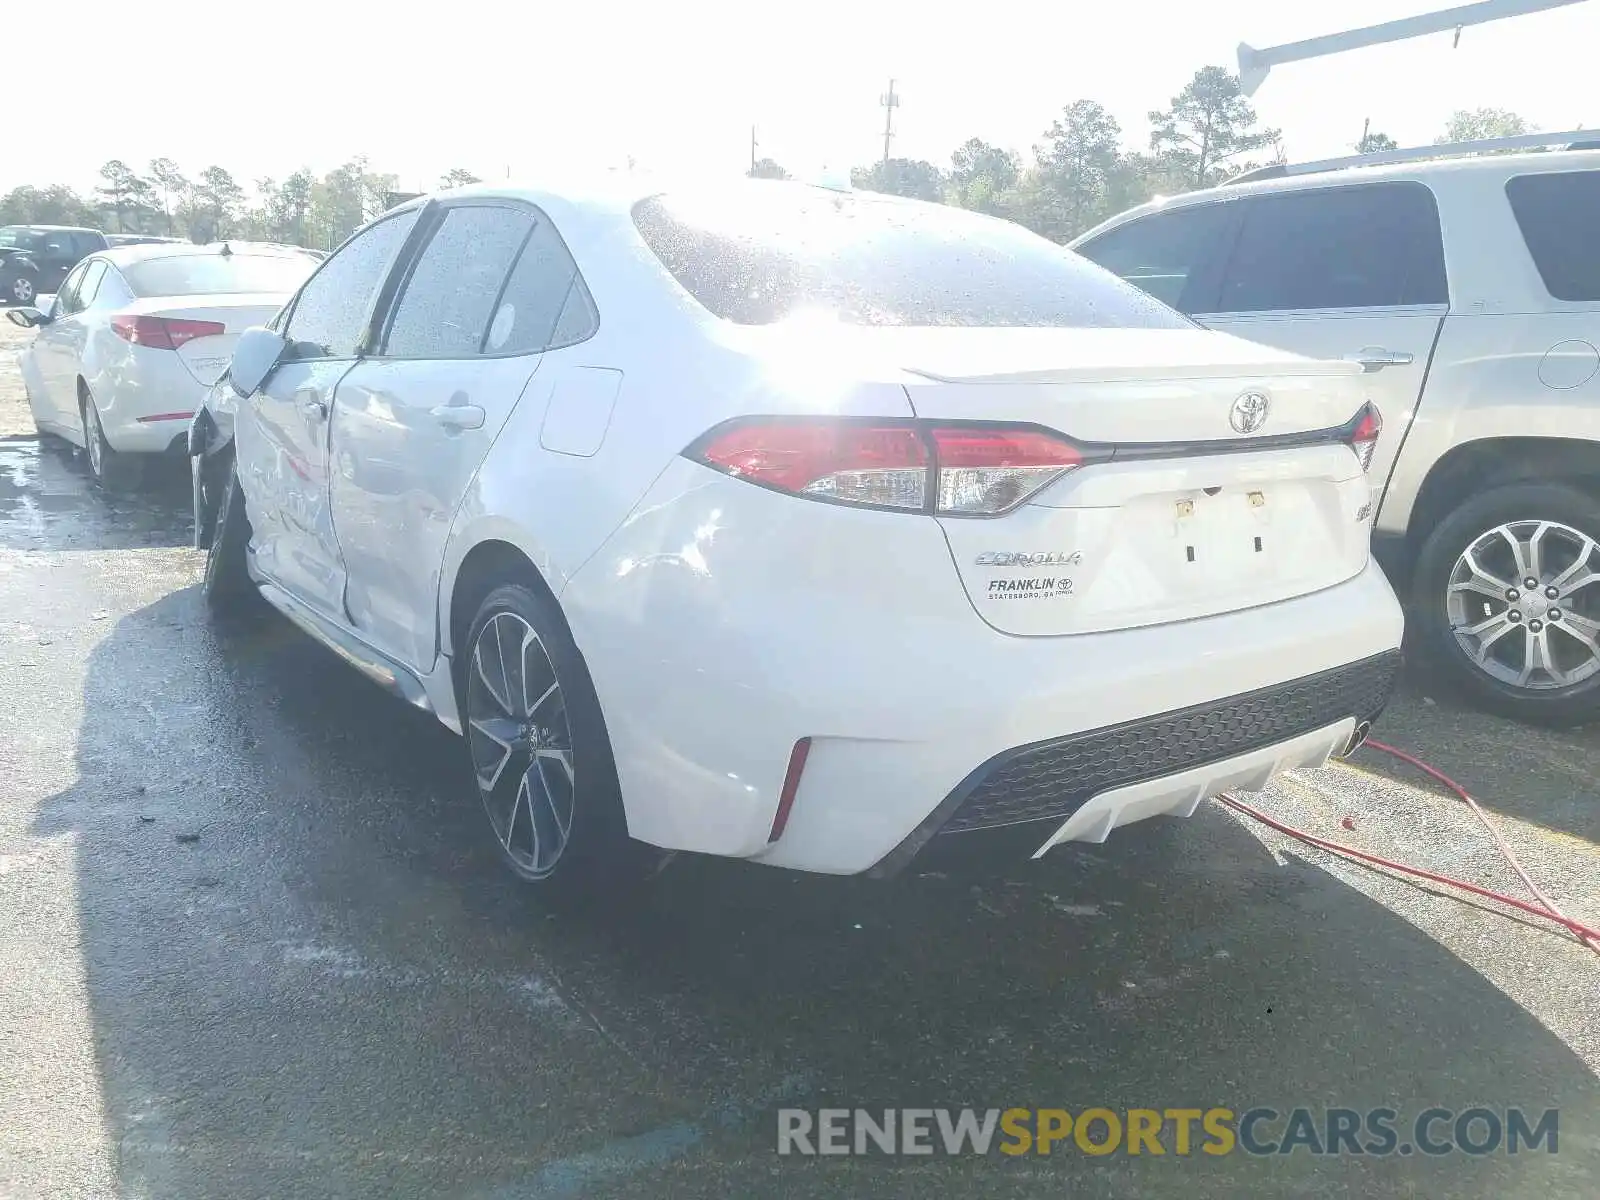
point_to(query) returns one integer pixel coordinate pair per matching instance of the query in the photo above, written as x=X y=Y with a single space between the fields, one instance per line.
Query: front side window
x=1557 y=214
x=1361 y=246
x=1163 y=253
x=765 y=252
x=445 y=308
x=330 y=314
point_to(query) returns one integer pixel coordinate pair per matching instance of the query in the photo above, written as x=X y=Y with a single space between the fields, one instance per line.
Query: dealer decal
x=1045 y=588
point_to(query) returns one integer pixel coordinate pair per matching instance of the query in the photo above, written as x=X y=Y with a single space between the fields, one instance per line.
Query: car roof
x=615 y=194
x=51 y=228
x=1528 y=163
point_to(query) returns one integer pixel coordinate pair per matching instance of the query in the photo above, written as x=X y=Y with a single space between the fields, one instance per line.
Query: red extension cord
x=1545 y=908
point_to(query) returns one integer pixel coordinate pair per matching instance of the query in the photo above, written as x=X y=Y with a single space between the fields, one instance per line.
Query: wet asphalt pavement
x=254 y=942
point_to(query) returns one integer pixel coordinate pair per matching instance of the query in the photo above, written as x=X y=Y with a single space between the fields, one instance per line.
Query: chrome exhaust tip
x=1358 y=738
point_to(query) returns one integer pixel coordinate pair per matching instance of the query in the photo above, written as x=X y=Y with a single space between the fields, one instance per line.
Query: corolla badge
x=1044 y=558
x=1249 y=411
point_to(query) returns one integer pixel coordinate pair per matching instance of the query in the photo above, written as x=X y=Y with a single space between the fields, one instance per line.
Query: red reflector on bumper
x=791 y=785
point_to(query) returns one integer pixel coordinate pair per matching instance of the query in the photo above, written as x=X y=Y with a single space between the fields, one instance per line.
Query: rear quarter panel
x=1499 y=376
x=1511 y=361
x=682 y=372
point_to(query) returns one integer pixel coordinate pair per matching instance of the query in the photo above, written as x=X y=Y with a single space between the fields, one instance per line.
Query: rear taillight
x=163 y=333
x=1364 y=434
x=984 y=471
x=909 y=466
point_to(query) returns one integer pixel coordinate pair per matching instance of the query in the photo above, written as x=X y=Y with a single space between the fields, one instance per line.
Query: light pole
x=1254 y=64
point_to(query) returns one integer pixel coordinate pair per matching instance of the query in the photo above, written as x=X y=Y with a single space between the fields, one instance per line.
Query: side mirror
x=27 y=317
x=254 y=356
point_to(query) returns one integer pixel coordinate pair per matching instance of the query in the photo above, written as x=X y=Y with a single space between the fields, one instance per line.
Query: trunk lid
x=207 y=357
x=1205 y=499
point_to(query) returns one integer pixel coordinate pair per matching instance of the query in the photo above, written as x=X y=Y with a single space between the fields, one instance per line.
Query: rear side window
x=330 y=314
x=114 y=291
x=1363 y=246
x=89 y=286
x=545 y=304
x=1559 y=214
x=218 y=274
x=1163 y=253
x=764 y=252
x=67 y=293
x=23 y=239
x=446 y=306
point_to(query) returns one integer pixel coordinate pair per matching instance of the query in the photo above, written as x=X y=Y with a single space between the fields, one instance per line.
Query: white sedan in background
x=134 y=337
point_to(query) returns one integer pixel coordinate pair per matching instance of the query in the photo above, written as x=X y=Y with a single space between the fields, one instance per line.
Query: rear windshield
x=216 y=274
x=770 y=251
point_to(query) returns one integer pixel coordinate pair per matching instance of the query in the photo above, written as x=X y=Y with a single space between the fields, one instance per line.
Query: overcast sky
x=262 y=89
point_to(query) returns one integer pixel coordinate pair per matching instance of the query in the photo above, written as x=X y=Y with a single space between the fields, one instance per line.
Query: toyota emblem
x=1249 y=411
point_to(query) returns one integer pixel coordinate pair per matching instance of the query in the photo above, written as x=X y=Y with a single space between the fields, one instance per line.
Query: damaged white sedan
x=798 y=524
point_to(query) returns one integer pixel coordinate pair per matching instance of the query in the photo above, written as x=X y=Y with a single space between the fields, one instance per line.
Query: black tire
x=112 y=469
x=22 y=288
x=597 y=863
x=1520 y=506
x=226 y=585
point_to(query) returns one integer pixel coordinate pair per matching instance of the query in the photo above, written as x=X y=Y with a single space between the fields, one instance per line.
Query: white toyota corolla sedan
x=129 y=344
x=801 y=525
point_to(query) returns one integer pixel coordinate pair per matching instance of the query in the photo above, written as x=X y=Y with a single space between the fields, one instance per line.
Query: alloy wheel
x=22 y=290
x=1524 y=604
x=521 y=744
x=93 y=439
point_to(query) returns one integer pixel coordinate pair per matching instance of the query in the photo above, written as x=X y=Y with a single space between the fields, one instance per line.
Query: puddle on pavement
x=49 y=502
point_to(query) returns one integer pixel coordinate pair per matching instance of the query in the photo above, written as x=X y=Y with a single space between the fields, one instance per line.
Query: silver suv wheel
x=1520 y=601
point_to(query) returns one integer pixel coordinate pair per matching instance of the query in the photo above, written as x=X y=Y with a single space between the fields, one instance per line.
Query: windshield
x=14 y=236
x=761 y=253
x=217 y=274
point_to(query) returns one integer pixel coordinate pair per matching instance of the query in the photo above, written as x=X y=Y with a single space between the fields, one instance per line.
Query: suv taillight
x=1364 y=435
x=163 y=333
x=952 y=469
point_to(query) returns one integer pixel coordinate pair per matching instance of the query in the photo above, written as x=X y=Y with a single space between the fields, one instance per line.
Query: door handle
x=1375 y=358
x=458 y=416
x=314 y=406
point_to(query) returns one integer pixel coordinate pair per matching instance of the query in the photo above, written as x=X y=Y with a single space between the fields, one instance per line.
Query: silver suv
x=1469 y=288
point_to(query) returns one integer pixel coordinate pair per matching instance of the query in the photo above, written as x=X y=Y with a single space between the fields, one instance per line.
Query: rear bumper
x=147 y=402
x=169 y=435
x=1082 y=786
x=723 y=623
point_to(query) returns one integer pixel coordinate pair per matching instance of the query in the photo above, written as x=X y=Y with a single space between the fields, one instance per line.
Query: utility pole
x=752 y=148
x=890 y=102
x=1366 y=128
